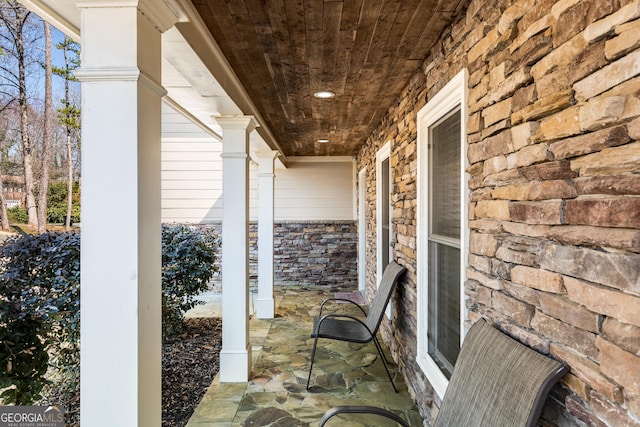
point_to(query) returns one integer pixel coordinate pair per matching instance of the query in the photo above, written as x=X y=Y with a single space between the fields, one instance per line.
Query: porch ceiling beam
x=196 y=33
x=61 y=16
x=177 y=106
x=65 y=15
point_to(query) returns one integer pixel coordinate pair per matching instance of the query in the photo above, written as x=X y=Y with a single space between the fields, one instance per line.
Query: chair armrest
x=361 y=410
x=344 y=300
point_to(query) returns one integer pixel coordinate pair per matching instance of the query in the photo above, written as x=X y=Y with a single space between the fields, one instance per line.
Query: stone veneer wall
x=306 y=253
x=554 y=212
x=316 y=253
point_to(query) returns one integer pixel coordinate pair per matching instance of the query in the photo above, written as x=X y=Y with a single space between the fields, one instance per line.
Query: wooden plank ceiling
x=284 y=51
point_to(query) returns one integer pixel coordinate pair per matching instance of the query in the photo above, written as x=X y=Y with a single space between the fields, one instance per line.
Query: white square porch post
x=235 y=357
x=121 y=246
x=265 y=306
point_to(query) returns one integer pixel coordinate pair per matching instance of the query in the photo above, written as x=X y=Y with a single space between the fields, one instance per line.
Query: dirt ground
x=190 y=362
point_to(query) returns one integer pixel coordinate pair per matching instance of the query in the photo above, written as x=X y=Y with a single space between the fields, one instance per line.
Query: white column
x=121 y=244
x=235 y=357
x=265 y=306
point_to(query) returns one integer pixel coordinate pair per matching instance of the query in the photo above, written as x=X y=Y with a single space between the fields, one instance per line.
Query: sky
x=58 y=60
x=35 y=83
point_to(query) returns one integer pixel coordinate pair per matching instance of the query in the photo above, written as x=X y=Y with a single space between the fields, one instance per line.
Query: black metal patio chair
x=349 y=328
x=497 y=381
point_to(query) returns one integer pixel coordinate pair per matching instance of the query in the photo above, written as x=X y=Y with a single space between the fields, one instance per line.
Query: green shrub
x=39 y=313
x=18 y=215
x=40 y=304
x=57 y=203
x=24 y=360
x=57 y=214
x=188 y=257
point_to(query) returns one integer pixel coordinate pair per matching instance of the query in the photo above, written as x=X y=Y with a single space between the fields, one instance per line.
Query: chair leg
x=384 y=363
x=313 y=355
x=378 y=344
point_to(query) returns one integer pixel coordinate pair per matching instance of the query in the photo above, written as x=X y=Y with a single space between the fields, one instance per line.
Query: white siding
x=314 y=191
x=191 y=171
x=192 y=180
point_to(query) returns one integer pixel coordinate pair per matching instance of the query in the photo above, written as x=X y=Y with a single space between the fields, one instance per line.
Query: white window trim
x=452 y=95
x=383 y=154
x=362 y=229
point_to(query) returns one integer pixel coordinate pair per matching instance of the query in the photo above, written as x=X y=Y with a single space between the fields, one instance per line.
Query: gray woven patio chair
x=349 y=328
x=497 y=381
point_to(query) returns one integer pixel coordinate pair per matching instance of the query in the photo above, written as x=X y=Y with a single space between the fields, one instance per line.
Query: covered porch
x=138 y=57
x=493 y=149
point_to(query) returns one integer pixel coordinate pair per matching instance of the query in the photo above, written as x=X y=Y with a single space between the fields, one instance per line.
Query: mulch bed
x=190 y=361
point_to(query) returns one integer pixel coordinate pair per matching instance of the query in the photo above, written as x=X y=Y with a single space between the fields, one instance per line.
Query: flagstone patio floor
x=276 y=395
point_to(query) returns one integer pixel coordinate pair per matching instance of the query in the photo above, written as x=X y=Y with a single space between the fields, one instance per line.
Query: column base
x=265 y=308
x=235 y=366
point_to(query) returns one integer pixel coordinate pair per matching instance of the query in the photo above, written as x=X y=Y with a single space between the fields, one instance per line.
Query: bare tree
x=69 y=114
x=4 y=150
x=3 y=208
x=47 y=135
x=4 y=217
x=16 y=20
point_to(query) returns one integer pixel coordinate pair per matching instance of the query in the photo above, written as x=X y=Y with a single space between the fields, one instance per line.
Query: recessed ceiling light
x=324 y=94
x=323 y=141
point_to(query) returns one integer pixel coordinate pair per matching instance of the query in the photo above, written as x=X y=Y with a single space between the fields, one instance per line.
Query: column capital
x=237 y=122
x=266 y=162
x=162 y=14
x=119 y=74
x=234 y=155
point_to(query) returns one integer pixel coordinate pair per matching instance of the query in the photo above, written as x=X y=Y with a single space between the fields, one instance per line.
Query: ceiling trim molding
x=319 y=159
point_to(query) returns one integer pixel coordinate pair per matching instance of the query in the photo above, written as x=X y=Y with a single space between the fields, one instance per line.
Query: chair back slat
x=390 y=277
x=497 y=381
